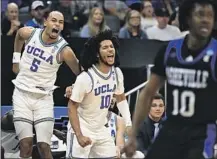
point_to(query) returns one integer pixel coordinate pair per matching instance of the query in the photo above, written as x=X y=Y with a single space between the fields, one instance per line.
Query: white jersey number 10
x=187 y=103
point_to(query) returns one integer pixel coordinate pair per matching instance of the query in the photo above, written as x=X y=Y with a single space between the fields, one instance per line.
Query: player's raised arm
x=22 y=35
x=69 y=57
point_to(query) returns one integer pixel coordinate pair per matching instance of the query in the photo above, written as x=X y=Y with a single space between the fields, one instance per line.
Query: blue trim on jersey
x=170 y=46
x=213 y=62
x=91 y=77
x=100 y=75
x=196 y=59
x=47 y=45
x=210 y=140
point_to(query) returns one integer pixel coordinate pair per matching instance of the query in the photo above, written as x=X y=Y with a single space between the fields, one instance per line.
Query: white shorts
x=102 y=146
x=33 y=109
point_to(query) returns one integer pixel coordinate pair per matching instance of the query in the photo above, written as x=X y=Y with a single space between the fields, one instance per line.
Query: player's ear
x=45 y=23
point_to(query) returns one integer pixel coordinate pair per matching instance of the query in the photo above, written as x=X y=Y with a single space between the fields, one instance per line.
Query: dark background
x=135 y=55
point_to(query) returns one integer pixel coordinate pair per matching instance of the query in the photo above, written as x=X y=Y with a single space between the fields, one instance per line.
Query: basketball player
x=91 y=98
x=44 y=52
x=190 y=69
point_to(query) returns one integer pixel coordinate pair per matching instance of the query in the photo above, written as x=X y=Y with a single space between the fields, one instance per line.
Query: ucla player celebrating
x=44 y=52
x=190 y=68
x=91 y=97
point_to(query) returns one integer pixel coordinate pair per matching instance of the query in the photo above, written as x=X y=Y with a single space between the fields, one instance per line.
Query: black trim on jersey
x=59 y=51
x=48 y=45
x=31 y=35
x=100 y=75
x=43 y=120
x=23 y=120
x=91 y=77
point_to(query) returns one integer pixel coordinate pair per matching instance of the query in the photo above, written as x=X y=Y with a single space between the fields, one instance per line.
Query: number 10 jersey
x=191 y=83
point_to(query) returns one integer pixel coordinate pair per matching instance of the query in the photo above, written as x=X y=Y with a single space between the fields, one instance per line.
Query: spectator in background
x=37 y=12
x=96 y=23
x=117 y=8
x=174 y=20
x=151 y=125
x=147 y=16
x=11 y=23
x=163 y=31
x=133 y=27
x=169 y=5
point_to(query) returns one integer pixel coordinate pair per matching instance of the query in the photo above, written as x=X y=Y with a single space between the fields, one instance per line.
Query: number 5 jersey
x=39 y=64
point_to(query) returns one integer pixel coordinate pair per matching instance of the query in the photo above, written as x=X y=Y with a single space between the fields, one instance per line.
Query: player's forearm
x=73 y=117
x=120 y=140
x=141 y=110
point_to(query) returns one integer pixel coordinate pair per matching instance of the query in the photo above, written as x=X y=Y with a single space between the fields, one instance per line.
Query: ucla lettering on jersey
x=39 y=64
x=191 y=83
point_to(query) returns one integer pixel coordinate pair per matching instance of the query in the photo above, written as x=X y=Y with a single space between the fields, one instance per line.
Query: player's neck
x=47 y=40
x=103 y=68
x=154 y=119
x=194 y=43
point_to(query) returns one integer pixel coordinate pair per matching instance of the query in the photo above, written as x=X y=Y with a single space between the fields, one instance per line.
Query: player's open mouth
x=110 y=58
x=54 y=30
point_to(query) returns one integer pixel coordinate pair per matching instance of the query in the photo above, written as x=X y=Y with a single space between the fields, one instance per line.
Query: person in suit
x=151 y=125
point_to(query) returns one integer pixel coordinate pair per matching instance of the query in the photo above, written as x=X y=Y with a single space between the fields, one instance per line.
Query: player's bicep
x=82 y=86
x=69 y=57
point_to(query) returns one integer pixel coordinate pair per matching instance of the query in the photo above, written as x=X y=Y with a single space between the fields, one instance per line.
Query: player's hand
x=68 y=91
x=83 y=140
x=118 y=152
x=130 y=148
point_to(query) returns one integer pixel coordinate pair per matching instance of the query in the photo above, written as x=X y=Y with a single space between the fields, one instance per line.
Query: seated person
x=151 y=125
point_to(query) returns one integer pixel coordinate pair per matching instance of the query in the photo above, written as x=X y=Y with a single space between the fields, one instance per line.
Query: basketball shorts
x=33 y=109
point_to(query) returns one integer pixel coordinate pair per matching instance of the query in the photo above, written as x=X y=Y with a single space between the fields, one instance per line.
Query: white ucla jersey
x=112 y=122
x=10 y=141
x=39 y=64
x=94 y=91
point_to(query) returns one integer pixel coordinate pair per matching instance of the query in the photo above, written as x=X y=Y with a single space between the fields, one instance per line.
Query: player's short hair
x=186 y=8
x=158 y=96
x=92 y=46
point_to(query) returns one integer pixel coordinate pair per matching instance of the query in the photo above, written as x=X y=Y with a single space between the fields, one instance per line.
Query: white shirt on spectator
x=147 y=23
x=168 y=33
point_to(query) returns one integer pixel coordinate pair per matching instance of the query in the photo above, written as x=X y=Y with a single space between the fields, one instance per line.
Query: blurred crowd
x=137 y=19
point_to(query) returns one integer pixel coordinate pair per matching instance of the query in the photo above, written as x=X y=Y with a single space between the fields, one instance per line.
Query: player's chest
x=104 y=88
x=45 y=54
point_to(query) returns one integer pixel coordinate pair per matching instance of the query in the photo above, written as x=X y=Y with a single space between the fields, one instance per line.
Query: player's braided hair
x=91 y=49
x=186 y=8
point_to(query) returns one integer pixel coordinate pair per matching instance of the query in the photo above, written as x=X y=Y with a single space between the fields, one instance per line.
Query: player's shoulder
x=118 y=70
x=85 y=77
